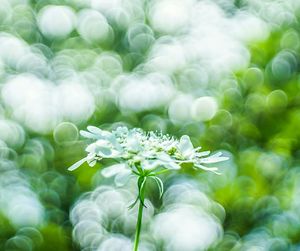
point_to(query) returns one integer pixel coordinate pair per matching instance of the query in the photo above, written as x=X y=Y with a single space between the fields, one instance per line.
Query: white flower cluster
x=143 y=153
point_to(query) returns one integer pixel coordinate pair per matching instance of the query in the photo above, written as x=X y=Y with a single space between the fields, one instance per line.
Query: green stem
x=139 y=220
x=161 y=172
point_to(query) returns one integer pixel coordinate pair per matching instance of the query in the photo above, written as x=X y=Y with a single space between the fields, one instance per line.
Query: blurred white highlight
x=102 y=213
x=169 y=16
x=56 y=21
x=18 y=202
x=186 y=228
x=204 y=108
x=12 y=134
x=40 y=105
x=186 y=222
x=140 y=93
x=92 y=26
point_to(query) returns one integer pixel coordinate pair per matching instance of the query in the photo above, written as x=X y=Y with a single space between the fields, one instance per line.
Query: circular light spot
x=290 y=40
x=277 y=100
x=65 y=132
x=204 y=108
x=12 y=133
x=110 y=64
x=56 y=21
x=179 y=109
x=18 y=243
x=169 y=16
x=223 y=118
x=77 y=102
x=92 y=26
x=253 y=77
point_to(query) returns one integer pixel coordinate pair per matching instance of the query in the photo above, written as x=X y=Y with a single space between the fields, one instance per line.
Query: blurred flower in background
x=226 y=73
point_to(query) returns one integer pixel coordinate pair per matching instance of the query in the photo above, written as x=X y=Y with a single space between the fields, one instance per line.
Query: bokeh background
x=224 y=72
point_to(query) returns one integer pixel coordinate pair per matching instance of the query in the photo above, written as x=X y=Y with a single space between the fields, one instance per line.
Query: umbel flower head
x=143 y=153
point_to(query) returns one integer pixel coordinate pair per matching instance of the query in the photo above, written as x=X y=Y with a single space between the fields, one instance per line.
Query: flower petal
x=211 y=169
x=173 y=165
x=122 y=177
x=89 y=135
x=113 y=170
x=77 y=164
x=94 y=130
x=104 y=151
x=185 y=145
x=91 y=148
x=133 y=144
x=202 y=154
x=164 y=157
x=213 y=158
x=92 y=162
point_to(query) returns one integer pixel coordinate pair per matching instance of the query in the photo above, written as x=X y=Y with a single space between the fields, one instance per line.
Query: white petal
x=92 y=162
x=90 y=157
x=91 y=148
x=77 y=164
x=172 y=165
x=164 y=157
x=94 y=130
x=185 y=145
x=133 y=144
x=202 y=154
x=197 y=148
x=88 y=135
x=218 y=154
x=122 y=177
x=150 y=164
x=113 y=170
x=104 y=151
x=214 y=159
x=211 y=169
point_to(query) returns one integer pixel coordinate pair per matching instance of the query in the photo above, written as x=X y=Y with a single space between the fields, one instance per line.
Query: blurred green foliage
x=256 y=124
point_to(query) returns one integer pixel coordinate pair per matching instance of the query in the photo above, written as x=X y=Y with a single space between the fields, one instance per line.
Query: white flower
x=142 y=153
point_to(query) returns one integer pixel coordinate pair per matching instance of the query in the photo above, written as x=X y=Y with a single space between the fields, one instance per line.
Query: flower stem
x=139 y=220
x=161 y=172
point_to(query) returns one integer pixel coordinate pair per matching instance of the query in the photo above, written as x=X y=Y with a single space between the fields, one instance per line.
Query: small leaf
x=134 y=203
x=140 y=197
x=160 y=185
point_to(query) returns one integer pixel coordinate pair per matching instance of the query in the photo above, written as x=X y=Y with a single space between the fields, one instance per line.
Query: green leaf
x=134 y=203
x=141 y=183
x=160 y=185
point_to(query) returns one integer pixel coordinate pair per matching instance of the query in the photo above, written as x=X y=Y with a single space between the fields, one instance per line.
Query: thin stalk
x=161 y=172
x=139 y=220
